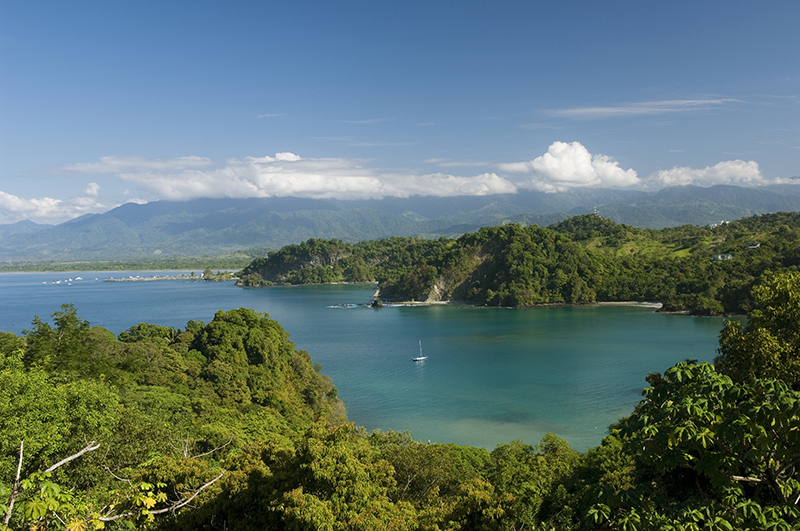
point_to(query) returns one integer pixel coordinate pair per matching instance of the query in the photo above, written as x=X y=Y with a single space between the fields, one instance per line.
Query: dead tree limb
x=177 y=504
x=15 y=488
x=214 y=450
x=89 y=448
x=181 y=503
x=746 y=479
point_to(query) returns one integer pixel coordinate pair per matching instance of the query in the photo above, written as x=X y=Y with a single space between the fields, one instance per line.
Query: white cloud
x=49 y=210
x=92 y=189
x=726 y=172
x=111 y=165
x=570 y=165
x=445 y=163
x=565 y=165
x=11 y=204
x=285 y=157
x=443 y=185
x=642 y=108
x=286 y=174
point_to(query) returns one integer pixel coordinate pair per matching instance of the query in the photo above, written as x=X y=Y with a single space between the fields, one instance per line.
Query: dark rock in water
x=376 y=304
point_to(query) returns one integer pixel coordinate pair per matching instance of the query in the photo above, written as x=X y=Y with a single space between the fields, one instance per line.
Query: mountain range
x=204 y=227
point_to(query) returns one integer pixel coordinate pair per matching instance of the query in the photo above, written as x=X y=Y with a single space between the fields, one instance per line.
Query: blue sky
x=107 y=102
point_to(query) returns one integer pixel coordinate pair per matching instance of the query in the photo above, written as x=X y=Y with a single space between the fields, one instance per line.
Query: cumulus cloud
x=92 y=189
x=14 y=208
x=565 y=165
x=48 y=209
x=726 y=172
x=570 y=165
x=285 y=174
x=443 y=185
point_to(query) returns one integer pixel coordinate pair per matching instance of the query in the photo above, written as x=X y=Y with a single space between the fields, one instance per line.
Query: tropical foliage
x=584 y=259
x=155 y=406
x=226 y=425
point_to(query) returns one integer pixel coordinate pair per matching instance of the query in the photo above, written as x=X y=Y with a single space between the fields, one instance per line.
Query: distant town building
x=753 y=245
x=720 y=257
x=714 y=225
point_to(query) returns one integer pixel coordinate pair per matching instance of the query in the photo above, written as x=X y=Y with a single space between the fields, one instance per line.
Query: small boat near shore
x=420 y=357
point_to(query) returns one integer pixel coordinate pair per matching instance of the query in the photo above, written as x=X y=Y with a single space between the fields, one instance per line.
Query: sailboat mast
x=420 y=357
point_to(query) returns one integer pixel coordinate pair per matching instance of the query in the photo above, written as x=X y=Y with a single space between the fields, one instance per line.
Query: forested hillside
x=157 y=411
x=584 y=259
x=210 y=227
x=226 y=426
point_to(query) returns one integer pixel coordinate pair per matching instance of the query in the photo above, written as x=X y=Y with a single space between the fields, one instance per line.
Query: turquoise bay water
x=493 y=375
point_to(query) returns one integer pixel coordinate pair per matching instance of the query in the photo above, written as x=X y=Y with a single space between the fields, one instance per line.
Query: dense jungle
x=584 y=259
x=225 y=425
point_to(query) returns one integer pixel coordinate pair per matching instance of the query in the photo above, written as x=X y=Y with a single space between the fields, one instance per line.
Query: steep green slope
x=164 y=405
x=580 y=260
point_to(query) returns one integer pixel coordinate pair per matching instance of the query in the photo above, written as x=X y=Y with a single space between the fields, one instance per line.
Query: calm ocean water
x=493 y=375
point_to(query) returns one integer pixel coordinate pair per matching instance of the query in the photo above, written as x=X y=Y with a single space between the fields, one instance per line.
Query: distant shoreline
x=150 y=279
x=656 y=305
x=636 y=304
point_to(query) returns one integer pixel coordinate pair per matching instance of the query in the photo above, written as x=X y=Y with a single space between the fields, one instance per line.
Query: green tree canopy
x=769 y=345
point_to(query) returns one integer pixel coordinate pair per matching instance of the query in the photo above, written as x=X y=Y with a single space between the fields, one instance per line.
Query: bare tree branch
x=177 y=504
x=746 y=479
x=180 y=503
x=89 y=448
x=184 y=449
x=58 y=518
x=15 y=488
x=128 y=481
x=116 y=516
x=214 y=450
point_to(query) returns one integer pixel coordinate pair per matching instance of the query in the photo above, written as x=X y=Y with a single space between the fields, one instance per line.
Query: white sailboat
x=420 y=357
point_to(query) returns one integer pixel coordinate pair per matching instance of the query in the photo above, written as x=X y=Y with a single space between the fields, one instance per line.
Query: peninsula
x=582 y=260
